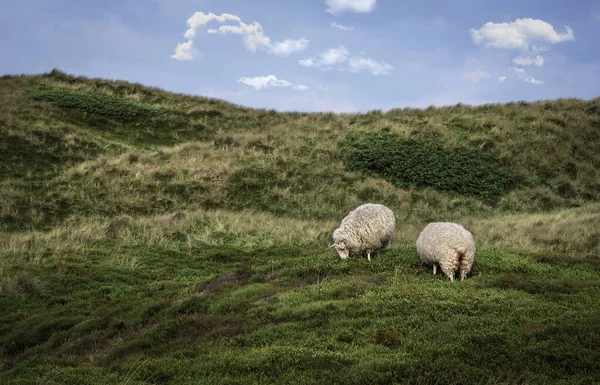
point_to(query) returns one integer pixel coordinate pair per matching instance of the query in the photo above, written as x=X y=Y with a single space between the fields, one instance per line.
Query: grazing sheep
x=369 y=227
x=448 y=244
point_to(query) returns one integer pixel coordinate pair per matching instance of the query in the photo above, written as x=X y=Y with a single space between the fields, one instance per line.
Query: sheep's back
x=438 y=238
x=367 y=226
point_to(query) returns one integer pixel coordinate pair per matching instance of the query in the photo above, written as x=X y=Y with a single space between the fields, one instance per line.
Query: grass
x=157 y=238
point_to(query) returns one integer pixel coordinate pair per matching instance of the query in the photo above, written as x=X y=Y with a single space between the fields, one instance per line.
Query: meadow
x=148 y=237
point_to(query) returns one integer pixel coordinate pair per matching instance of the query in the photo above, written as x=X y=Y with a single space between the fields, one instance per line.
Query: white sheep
x=369 y=227
x=448 y=244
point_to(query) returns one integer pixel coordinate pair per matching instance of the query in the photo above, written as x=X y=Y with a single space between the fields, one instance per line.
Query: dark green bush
x=411 y=162
x=97 y=104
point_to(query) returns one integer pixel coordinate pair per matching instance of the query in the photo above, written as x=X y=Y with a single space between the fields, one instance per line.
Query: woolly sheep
x=448 y=244
x=369 y=227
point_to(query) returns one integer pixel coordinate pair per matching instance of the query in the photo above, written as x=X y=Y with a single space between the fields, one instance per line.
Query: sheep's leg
x=450 y=274
x=369 y=255
x=434 y=268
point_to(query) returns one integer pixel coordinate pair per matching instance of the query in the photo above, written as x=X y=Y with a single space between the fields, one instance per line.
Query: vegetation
x=95 y=104
x=421 y=163
x=156 y=238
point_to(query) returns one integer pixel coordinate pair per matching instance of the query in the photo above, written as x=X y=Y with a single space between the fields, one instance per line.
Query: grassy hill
x=148 y=237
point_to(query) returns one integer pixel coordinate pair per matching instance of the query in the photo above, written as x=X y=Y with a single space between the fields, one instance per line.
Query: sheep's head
x=341 y=249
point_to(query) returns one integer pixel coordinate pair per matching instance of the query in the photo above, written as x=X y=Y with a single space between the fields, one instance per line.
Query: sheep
x=369 y=227
x=448 y=244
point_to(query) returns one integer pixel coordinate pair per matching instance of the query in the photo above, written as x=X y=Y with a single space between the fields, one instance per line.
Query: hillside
x=148 y=237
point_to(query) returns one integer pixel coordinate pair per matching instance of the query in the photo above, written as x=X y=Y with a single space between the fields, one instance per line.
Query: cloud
x=518 y=71
x=532 y=80
x=360 y=64
x=309 y=62
x=185 y=51
x=288 y=47
x=340 y=26
x=527 y=61
x=354 y=64
x=358 y=6
x=252 y=34
x=521 y=33
x=476 y=76
x=327 y=59
x=260 y=82
x=531 y=36
x=501 y=78
x=334 y=56
x=200 y=18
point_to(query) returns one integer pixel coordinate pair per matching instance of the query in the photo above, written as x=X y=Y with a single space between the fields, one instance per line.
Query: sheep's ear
x=333 y=245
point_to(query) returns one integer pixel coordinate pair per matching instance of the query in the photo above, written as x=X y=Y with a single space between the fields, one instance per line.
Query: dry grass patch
x=570 y=231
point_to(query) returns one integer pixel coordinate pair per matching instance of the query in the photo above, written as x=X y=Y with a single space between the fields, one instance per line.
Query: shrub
x=97 y=104
x=411 y=162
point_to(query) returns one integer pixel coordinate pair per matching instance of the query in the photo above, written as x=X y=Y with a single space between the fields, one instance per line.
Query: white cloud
x=327 y=59
x=476 y=76
x=200 y=18
x=501 y=78
x=527 y=61
x=532 y=80
x=260 y=82
x=521 y=33
x=185 y=51
x=520 y=72
x=359 y=64
x=309 y=62
x=539 y=48
x=334 y=56
x=287 y=47
x=252 y=34
x=358 y=6
x=340 y=56
x=341 y=26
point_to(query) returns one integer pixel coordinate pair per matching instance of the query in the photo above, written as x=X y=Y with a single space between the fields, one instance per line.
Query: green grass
x=156 y=238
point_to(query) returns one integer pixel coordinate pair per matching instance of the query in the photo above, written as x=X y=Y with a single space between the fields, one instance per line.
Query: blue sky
x=316 y=55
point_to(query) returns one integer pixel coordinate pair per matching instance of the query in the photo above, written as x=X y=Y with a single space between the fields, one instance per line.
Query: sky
x=316 y=55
